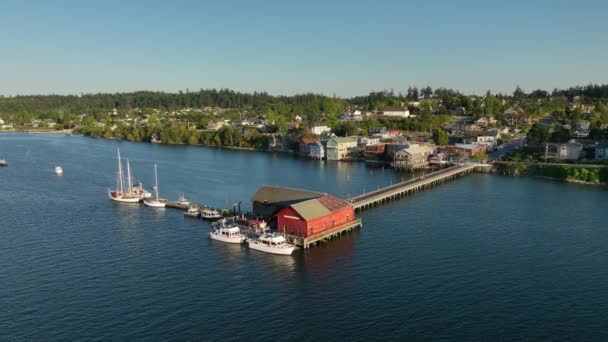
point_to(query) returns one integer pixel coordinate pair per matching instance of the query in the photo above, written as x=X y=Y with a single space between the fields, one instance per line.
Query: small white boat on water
x=210 y=214
x=58 y=170
x=271 y=243
x=155 y=202
x=3 y=163
x=183 y=200
x=229 y=233
x=192 y=212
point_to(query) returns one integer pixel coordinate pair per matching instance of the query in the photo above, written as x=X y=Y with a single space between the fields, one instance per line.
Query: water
x=480 y=258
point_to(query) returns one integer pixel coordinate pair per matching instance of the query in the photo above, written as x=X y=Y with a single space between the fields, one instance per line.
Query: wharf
x=401 y=189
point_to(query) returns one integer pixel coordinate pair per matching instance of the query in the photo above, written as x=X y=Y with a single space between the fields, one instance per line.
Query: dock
x=306 y=242
x=405 y=188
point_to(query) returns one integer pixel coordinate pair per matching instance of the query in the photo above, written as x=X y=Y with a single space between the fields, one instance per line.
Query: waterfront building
x=569 y=151
x=375 y=152
x=269 y=200
x=413 y=157
x=364 y=141
x=314 y=216
x=393 y=147
x=340 y=148
x=316 y=150
x=601 y=150
x=468 y=150
x=305 y=145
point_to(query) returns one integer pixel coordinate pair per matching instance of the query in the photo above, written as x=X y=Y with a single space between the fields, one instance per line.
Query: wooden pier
x=329 y=234
x=398 y=190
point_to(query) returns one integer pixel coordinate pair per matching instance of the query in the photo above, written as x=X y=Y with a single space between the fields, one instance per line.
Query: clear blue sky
x=284 y=47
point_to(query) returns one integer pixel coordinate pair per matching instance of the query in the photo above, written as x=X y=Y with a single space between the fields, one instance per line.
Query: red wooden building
x=314 y=216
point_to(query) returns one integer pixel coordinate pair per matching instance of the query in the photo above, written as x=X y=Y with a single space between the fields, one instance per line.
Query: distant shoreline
x=36 y=130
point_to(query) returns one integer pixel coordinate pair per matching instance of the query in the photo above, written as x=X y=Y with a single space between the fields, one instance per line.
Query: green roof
x=310 y=209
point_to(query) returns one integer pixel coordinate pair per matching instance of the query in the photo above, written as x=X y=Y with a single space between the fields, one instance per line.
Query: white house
x=489 y=138
x=318 y=130
x=364 y=141
x=396 y=111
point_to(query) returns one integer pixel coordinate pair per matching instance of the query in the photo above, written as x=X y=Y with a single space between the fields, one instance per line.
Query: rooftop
x=284 y=196
x=318 y=207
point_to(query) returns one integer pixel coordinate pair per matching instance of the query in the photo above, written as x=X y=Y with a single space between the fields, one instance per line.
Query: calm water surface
x=480 y=258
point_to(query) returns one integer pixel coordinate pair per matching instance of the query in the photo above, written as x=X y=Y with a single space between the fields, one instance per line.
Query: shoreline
x=39 y=131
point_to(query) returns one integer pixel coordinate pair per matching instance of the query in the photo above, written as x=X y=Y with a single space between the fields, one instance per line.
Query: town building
x=316 y=150
x=485 y=121
x=377 y=130
x=314 y=216
x=364 y=141
x=393 y=147
x=415 y=156
x=375 y=152
x=601 y=150
x=468 y=150
x=516 y=116
x=569 y=151
x=340 y=148
x=269 y=200
x=402 y=112
x=305 y=145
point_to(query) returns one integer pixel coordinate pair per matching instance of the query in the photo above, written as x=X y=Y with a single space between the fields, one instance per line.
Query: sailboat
x=119 y=194
x=155 y=202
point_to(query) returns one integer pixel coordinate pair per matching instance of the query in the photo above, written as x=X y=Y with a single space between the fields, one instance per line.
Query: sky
x=343 y=48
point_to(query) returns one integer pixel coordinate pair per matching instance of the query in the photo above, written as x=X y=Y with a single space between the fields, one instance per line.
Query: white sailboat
x=119 y=194
x=155 y=202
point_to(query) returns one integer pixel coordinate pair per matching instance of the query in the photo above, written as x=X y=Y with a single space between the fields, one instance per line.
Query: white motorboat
x=183 y=200
x=3 y=163
x=58 y=170
x=271 y=243
x=139 y=190
x=155 y=202
x=123 y=193
x=192 y=212
x=210 y=214
x=227 y=233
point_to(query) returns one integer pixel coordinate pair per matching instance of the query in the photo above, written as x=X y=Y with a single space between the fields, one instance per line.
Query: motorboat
x=155 y=202
x=192 y=212
x=183 y=200
x=271 y=243
x=3 y=163
x=58 y=170
x=229 y=233
x=210 y=214
x=123 y=192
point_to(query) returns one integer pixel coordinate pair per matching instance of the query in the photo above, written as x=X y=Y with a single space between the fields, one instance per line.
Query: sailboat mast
x=156 y=182
x=120 y=175
x=129 y=182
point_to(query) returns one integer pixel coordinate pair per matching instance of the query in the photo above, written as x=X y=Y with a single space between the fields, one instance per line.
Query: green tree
x=440 y=137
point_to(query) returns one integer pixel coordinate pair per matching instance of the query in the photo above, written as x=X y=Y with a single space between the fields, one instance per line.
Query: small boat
x=119 y=194
x=229 y=233
x=3 y=163
x=210 y=214
x=271 y=243
x=192 y=212
x=155 y=202
x=183 y=200
x=58 y=170
x=139 y=190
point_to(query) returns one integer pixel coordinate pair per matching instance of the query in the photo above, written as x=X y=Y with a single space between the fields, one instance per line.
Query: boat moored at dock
x=192 y=212
x=123 y=193
x=155 y=202
x=271 y=243
x=210 y=214
x=227 y=232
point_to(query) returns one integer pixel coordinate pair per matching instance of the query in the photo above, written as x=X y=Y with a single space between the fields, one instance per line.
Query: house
x=569 y=151
x=415 y=156
x=489 y=138
x=601 y=151
x=314 y=216
x=292 y=125
x=582 y=129
x=515 y=116
x=402 y=112
x=339 y=148
x=461 y=110
x=316 y=150
x=394 y=133
x=305 y=145
x=485 y=121
x=377 y=130
x=269 y=200
x=319 y=130
x=375 y=152
x=216 y=125
x=438 y=159
x=364 y=141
